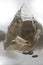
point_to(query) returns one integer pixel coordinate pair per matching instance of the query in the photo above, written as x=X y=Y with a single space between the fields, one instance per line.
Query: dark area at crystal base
x=30 y=52
x=35 y=56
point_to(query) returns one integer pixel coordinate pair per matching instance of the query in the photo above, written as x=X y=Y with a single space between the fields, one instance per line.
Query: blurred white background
x=8 y=9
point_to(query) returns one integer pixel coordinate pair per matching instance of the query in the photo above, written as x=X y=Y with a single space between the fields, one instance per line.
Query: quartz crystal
x=23 y=35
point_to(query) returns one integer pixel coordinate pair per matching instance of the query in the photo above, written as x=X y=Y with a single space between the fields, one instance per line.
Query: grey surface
x=17 y=58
